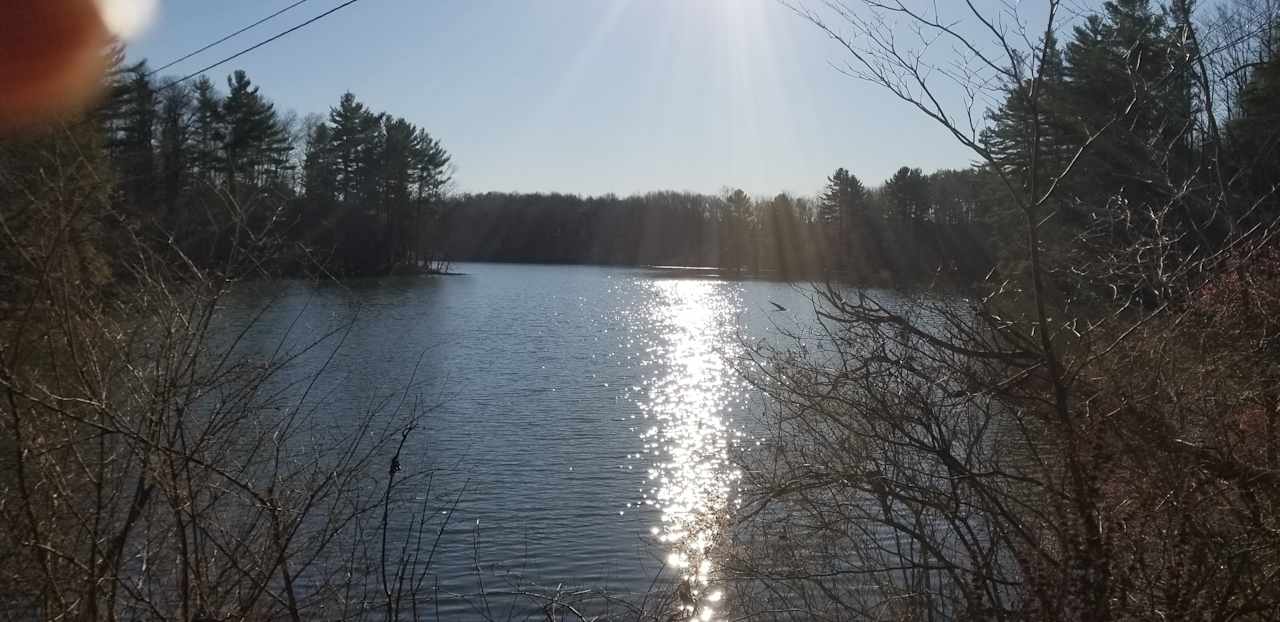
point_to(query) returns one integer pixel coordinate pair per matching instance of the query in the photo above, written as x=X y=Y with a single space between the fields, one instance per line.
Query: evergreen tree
x=842 y=203
x=257 y=146
x=430 y=166
x=780 y=231
x=1115 y=59
x=398 y=152
x=1255 y=141
x=384 y=174
x=1181 y=99
x=843 y=197
x=132 y=144
x=430 y=177
x=396 y=178
x=175 y=149
x=954 y=195
x=735 y=231
x=208 y=131
x=1033 y=118
x=319 y=173
x=908 y=192
x=110 y=114
x=354 y=147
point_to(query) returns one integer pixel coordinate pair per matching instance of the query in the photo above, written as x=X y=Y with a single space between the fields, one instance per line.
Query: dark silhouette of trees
x=842 y=199
x=320 y=172
x=1033 y=118
x=152 y=461
x=736 y=226
x=364 y=192
x=777 y=237
x=379 y=179
x=955 y=196
x=255 y=152
x=207 y=129
x=842 y=208
x=174 y=151
x=908 y=195
x=352 y=144
x=1254 y=135
x=131 y=116
x=783 y=237
x=1093 y=431
x=660 y=228
x=361 y=190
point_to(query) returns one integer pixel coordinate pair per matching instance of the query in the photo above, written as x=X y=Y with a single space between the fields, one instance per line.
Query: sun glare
x=127 y=19
x=692 y=407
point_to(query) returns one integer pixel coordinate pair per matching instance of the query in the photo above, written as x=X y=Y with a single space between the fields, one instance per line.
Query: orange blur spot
x=51 y=58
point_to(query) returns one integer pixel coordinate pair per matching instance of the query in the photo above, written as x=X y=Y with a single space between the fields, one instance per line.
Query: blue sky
x=582 y=96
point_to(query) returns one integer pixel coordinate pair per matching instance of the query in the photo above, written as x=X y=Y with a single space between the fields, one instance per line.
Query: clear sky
x=582 y=96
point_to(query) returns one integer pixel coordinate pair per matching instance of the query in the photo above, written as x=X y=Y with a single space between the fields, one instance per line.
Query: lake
x=588 y=411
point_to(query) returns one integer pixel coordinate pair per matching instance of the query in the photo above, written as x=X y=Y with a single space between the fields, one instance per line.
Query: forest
x=1083 y=425
x=913 y=228
x=349 y=192
x=1094 y=432
x=357 y=192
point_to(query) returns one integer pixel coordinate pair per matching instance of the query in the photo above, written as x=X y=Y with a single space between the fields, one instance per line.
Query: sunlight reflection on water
x=691 y=407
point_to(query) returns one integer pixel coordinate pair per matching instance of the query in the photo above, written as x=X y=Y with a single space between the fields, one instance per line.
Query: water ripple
x=691 y=404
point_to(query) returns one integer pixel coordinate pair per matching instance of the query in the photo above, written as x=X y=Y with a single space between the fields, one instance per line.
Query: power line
x=224 y=39
x=257 y=45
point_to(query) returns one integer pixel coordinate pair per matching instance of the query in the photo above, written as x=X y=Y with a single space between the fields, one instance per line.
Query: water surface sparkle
x=691 y=405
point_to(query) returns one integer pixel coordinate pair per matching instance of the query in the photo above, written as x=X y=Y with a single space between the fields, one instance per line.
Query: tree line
x=1091 y=432
x=359 y=192
x=152 y=462
x=352 y=192
x=911 y=227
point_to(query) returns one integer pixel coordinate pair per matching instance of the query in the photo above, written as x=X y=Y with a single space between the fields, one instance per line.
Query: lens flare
x=127 y=19
x=50 y=59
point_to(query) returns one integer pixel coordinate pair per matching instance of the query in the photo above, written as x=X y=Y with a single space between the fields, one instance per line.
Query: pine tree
x=319 y=174
x=1033 y=119
x=396 y=177
x=1255 y=140
x=954 y=195
x=397 y=160
x=842 y=202
x=431 y=163
x=735 y=230
x=1115 y=59
x=1181 y=98
x=779 y=228
x=430 y=176
x=843 y=197
x=908 y=192
x=257 y=146
x=131 y=143
x=208 y=132
x=354 y=147
x=175 y=148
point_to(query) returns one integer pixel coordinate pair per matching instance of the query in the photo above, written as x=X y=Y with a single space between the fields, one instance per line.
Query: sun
x=127 y=19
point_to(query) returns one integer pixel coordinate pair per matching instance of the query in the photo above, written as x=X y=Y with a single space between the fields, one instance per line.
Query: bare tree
x=1063 y=441
x=169 y=451
x=155 y=466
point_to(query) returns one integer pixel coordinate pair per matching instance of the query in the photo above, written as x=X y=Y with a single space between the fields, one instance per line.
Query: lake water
x=588 y=411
